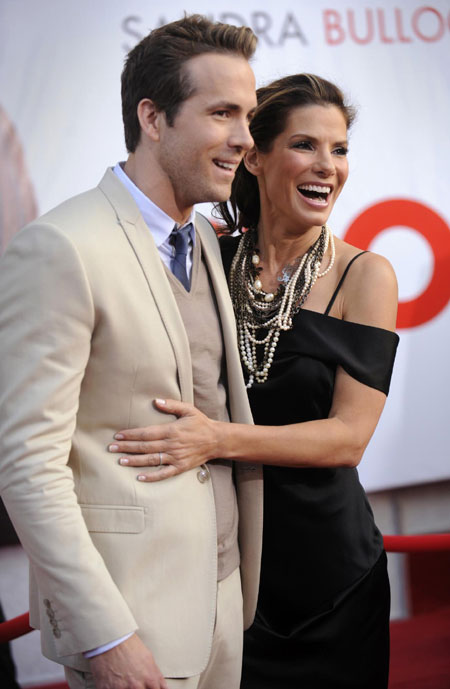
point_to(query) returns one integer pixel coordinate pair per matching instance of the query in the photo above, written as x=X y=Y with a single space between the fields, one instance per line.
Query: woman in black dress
x=315 y=320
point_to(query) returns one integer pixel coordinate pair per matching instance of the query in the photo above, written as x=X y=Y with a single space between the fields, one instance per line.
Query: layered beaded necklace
x=257 y=310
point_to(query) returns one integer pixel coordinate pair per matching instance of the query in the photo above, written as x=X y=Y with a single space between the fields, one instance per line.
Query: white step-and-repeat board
x=60 y=127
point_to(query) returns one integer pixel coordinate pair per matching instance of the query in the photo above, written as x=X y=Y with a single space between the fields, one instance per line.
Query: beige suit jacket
x=90 y=334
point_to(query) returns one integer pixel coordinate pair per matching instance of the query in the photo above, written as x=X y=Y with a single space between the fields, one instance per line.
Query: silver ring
x=160 y=458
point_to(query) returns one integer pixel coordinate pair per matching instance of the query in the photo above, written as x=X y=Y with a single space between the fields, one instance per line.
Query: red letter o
x=421 y=218
x=415 y=24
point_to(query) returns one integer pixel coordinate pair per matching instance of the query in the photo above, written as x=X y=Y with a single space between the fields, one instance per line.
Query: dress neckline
x=341 y=320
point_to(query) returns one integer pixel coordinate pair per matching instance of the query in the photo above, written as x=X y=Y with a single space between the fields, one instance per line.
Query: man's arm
x=46 y=324
x=130 y=665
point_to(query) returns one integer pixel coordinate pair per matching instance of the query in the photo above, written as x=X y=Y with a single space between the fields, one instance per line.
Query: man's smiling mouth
x=224 y=165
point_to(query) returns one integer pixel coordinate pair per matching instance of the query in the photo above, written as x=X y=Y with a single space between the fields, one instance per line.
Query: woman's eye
x=341 y=151
x=306 y=145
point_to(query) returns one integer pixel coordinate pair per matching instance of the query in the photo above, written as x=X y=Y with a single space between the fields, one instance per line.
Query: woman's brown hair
x=275 y=103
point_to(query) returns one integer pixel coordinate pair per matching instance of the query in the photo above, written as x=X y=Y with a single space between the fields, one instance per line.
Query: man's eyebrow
x=224 y=105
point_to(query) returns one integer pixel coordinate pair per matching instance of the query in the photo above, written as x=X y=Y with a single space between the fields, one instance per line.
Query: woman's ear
x=252 y=161
x=149 y=118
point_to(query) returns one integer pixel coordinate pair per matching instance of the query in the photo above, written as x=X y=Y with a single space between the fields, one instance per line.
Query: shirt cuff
x=107 y=647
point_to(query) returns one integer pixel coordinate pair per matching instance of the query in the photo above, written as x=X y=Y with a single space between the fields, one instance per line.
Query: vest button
x=203 y=475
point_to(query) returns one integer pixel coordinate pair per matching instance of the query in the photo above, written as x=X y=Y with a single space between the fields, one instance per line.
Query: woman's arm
x=369 y=297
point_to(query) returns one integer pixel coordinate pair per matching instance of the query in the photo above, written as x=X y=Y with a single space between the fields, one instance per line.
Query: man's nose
x=241 y=137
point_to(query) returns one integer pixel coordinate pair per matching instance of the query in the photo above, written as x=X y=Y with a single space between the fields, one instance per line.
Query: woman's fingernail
x=113 y=448
x=160 y=401
x=124 y=460
x=118 y=436
x=141 y=477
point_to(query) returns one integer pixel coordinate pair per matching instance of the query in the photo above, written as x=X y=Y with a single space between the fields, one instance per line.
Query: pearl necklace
x=270 y=312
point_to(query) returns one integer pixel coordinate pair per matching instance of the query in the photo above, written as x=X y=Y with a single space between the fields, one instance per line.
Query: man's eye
x=222 y=113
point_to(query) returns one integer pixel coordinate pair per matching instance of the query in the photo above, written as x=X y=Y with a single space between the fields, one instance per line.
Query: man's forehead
x=209 y=69
x=223 y=79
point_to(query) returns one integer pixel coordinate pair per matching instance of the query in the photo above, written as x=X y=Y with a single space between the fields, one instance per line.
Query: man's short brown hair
x=155 y=67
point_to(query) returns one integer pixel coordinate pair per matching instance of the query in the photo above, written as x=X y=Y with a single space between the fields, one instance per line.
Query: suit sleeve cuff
x=106 y=647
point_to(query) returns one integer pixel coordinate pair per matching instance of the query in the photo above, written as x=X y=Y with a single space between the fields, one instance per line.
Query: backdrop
x=60 y=127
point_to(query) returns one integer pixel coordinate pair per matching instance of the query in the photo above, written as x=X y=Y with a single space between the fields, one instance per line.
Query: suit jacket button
x=203 y=475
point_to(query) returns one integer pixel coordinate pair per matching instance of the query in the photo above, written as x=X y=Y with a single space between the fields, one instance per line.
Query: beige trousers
x=224 y=667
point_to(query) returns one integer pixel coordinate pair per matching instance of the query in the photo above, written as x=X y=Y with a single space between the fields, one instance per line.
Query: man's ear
x=149 y=118
x=252 y=161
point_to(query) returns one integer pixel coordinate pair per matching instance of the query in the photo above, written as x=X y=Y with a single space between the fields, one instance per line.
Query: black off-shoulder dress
x=323 y=609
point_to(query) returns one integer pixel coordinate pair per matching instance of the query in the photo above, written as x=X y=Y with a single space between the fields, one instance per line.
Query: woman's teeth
x=314 y=191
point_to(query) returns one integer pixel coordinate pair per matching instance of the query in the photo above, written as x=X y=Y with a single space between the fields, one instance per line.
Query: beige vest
x=198 y=310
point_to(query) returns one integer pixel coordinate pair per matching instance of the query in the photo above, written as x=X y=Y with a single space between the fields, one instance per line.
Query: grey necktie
x=179 y=238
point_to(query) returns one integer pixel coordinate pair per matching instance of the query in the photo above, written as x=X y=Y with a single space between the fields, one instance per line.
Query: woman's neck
x=279 y=247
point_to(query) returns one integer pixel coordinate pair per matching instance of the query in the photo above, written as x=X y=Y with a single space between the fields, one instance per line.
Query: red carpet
x=420 y=652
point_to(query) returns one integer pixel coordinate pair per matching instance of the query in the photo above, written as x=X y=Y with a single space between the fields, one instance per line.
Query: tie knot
x=179 y=238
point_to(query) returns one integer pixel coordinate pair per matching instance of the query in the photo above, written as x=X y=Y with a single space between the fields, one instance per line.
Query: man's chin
x=214 y=194
x=223 y=193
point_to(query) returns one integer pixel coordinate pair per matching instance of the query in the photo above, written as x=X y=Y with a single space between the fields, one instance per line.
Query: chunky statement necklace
x=260 y=315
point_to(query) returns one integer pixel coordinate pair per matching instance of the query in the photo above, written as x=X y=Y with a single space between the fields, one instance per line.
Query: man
x=108 y=301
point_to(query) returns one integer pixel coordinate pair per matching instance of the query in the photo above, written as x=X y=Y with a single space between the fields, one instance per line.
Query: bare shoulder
x=370 y=291
x=374 y=270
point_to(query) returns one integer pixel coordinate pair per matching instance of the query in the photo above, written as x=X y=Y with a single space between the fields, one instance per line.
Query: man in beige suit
x=135 y=585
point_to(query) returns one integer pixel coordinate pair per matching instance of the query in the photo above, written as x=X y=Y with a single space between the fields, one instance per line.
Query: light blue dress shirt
x=158 y=222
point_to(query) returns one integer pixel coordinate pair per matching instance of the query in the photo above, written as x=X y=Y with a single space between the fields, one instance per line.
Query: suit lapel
x=213 y=261
x=144 y=248
x=237 y=396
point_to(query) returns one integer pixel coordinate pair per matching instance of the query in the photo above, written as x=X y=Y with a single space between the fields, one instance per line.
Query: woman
x=315 y=320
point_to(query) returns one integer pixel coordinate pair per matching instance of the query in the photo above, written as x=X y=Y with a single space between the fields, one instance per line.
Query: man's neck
x=150 y=179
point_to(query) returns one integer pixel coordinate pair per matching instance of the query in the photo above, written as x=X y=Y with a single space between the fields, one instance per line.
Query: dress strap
x=335 y=293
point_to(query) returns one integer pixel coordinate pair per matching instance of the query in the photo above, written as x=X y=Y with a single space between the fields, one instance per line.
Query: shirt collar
x=159 y=223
